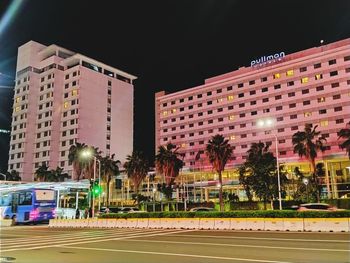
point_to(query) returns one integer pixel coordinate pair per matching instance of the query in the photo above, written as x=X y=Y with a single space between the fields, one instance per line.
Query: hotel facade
x=269 y=101
x=62 y=97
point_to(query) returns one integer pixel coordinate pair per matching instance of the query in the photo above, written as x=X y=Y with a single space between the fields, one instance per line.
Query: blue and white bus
x=28 y=205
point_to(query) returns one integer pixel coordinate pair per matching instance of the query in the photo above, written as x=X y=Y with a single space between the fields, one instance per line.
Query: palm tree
x=136 y=168
x=307 y=144
x=168 y=163
x=345 y=134
x=74 y=157
x=57 y=175
x=42 y=173
x=13 y=176
x=219 y=152
x=109 y=168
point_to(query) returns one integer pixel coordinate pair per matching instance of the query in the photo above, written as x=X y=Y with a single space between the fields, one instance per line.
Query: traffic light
x=96 y=189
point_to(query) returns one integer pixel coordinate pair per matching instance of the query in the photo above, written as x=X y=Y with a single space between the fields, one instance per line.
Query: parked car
x=318 y=207
x=201 y=209
x=124 y=210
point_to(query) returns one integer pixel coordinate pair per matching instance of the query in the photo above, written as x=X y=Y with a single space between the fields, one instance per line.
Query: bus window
x=45 y=195
x=25 y=198
x=5 y=200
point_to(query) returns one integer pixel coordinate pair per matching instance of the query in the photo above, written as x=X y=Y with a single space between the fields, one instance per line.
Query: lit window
x=173 y=110
x=74 y=92
x=219 y=100
x=183 y=145
x=322 y=99
x=318 y=76
x=17 y=109
x=230 y=97
x=305 y=80
x=290 y=73
x=165 y=113
x=18 y=99
x=232 y=137
x=324 y=123
x=231 y=117
x=277 y=76
x=65 y=105
x=307 y=114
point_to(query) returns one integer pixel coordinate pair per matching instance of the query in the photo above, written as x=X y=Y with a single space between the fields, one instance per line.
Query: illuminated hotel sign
x=265 y=60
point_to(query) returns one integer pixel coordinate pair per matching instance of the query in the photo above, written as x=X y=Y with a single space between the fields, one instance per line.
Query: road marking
x=175 y=254
x=72 y=235
x=236 y=245
x=92 y=240
x=58 y=240
x=268 y=238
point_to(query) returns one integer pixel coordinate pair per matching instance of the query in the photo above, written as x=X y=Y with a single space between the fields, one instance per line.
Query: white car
x=201 y=209
x=123 y=210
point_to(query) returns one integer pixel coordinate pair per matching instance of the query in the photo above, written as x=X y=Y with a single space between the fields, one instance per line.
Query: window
x=319 y=88
x=264 y=89
x=254 y=113
x=241 y=105
x=324 y=123
x=165 y=104
x=290 y=83
x=294 y=128
x=278 y=108
x=318 y=76
x=220 y=109
x=266 y=110
x=253 y=102
x=240 y=95
x=240 y=85
x=306 y=102
x=278 y=97
x=318 y=65
x=323 y=111
x=209 y=93
x=280 y=130
x=209 y=102
x=321 y=99
x=305 y=80
x=276 y=75
x=347 y=58
x=292 y=105
x=265 y=100
x=182 y=100
x=290 y=72
x=230 y=97
x=252 y=92
x=219 y=91
x=340 y=108
x=278 y=86
x=336 y=97
x=251 y=82
x=305 y=91
x=294 y=116
x=190 y=98
x=229 y=88
x=335 y=85
x=339 y=121
x=332 y=62
x=303 y=69
x=231 y=117
x=199 y=96
x=263 y=79
x=291 y=94
x=333 y=73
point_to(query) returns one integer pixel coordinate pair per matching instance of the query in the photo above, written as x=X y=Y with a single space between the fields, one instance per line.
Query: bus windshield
x=5 y=199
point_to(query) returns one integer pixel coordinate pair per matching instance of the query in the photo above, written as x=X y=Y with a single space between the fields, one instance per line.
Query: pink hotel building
x=287 y=91
x=62 y=97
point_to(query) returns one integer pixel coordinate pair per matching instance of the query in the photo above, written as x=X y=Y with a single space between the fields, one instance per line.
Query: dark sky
x=169 y=45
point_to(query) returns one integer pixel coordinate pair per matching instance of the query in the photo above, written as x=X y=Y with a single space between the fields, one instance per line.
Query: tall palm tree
x=136 y=168
x=109 y=168
x=307 y=143
x=219 y=151
x=345 y=134
x=168 y=162
x=57 y=175
x=74 y=157
x=42 y=173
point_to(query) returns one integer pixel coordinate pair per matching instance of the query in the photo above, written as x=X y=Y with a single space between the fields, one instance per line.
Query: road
x=42 y=244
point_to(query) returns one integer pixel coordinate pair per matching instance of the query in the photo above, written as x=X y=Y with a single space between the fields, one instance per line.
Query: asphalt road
x=42 y=244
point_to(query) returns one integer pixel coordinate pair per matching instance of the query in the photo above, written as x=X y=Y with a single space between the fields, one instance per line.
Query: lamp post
x=269 y=123
x=88 y=154
x=4 y=175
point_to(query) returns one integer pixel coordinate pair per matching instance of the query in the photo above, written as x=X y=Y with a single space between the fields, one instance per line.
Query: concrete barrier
x=255 y=224
x=293 y=224
x=206 y=223
x=120 y=223
x=314 y=224
x=131 y=222
x=111 y=223
x=154 y=223
x=238 y=224
x=186 y=223
x=222 y=223
x=142 y=223
x=274 y=224
x=167 y=223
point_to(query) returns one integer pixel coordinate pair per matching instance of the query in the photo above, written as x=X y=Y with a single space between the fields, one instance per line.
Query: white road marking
x=236 y=245
x=268 y=238
x=30 y=242
x=92 y=240
x=175 y=254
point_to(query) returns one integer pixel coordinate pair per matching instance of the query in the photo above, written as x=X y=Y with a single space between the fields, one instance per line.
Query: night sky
x=169 y=45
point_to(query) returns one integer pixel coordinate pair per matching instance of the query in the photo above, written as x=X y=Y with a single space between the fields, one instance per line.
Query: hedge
x=233 y=214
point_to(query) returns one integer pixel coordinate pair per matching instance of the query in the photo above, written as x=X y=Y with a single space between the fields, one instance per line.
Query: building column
x=329 y=195
x=206 y=194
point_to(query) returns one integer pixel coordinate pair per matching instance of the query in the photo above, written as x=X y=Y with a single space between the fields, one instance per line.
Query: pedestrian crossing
x=45 y=240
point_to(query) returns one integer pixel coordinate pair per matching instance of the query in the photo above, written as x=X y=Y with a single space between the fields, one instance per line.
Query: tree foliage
x=12 y=175
x=136 y=167
x=258 y=174
x=109 y=168
x=345 y=134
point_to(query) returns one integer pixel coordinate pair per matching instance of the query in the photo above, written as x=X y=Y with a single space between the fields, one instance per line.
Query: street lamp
x=154 y=201
x=269 y=123
x=87 y=153
x=4 y=175
x=306 y=182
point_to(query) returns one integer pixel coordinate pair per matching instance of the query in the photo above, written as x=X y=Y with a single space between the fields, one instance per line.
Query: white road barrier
x=222 y=223
x=238 y=223
x=274 y=224
x=293 y=224
x=206 y=223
